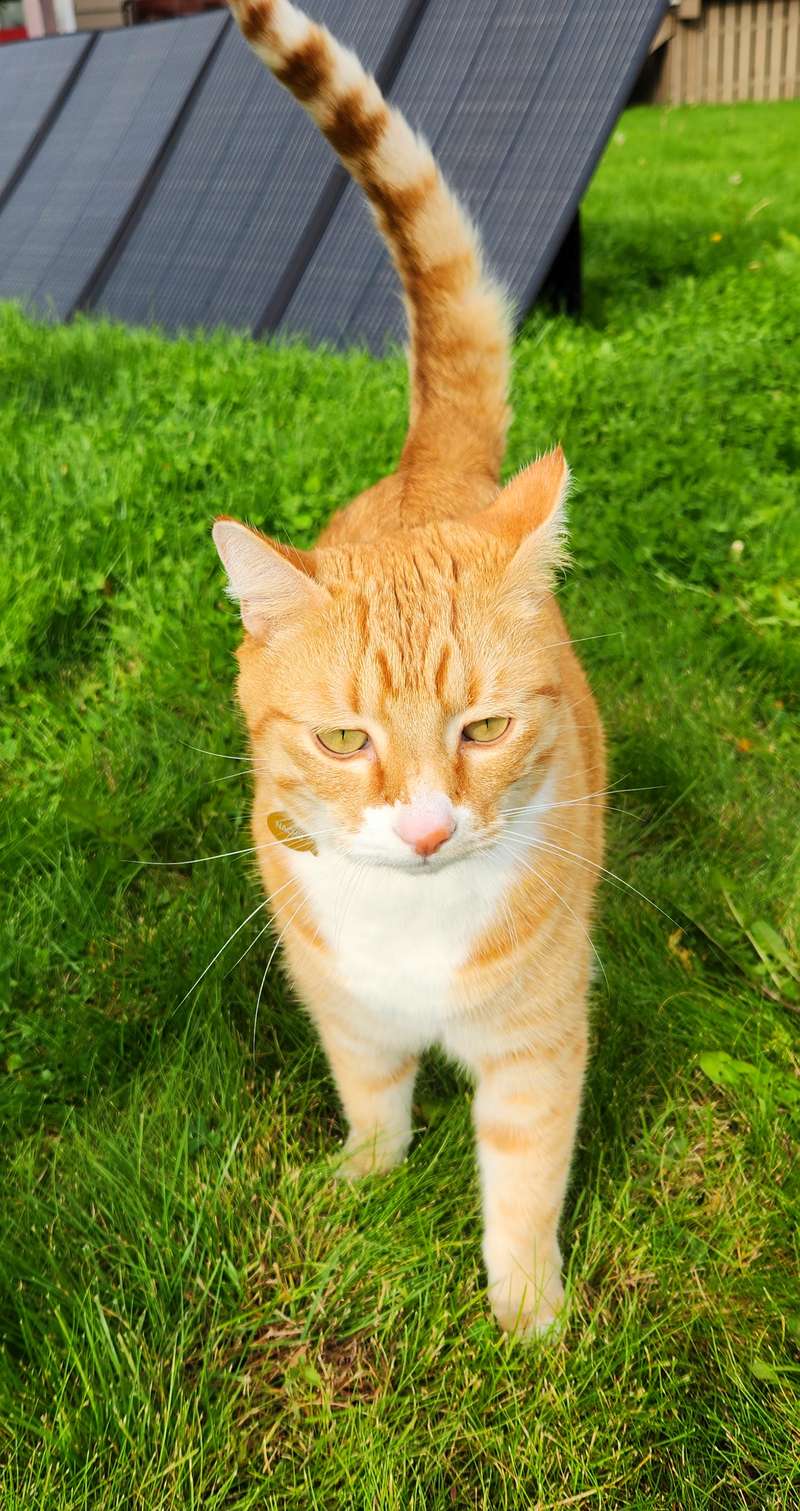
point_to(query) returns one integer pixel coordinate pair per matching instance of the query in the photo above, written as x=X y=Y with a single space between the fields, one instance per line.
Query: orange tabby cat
x=429 y=759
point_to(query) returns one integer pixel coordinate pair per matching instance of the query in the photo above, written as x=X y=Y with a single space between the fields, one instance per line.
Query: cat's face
x=406 y=696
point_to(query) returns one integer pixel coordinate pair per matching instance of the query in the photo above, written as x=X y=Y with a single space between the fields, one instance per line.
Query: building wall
x=728 y=50
x=98 y=15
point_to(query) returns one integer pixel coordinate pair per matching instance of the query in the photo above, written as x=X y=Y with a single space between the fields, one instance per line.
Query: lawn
x=193 y=1313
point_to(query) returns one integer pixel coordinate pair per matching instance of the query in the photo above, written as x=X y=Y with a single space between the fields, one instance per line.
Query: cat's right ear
x=270 y=581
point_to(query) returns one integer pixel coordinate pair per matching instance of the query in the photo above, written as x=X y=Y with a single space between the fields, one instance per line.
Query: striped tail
x=458 y=317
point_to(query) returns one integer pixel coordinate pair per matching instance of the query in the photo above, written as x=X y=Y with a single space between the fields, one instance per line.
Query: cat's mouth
x=417 y=865
x=424 y=865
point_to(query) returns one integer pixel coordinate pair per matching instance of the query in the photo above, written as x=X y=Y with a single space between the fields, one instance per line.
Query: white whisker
x=201 y=860
x=543 y=844
x=233 y=776
x=538 y=877
x=605 y=807
x=614 y=791
x=591 y=800
x=579 y=640
x=360 y=869
x=510 y=922
x=544 y=818
x=273 y=953
x=232 y=936
x=253 y=942
x=218 y=753
x=292 y=881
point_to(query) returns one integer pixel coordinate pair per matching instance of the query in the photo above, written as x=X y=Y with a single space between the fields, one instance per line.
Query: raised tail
x=458 y=317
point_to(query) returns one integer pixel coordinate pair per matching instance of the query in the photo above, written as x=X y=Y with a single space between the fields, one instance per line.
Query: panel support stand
x=562 y=287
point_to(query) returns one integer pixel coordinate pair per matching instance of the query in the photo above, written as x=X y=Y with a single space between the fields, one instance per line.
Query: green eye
x=343 y=741
x=484 y=731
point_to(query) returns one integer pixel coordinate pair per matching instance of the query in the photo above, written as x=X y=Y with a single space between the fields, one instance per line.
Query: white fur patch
x=400 y=931
x=400 y=934
x=290 y=25
x=400 y=157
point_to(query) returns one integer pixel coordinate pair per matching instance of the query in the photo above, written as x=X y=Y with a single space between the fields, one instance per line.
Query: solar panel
x=157 y=173
x=33 y=82
x=80 y=186
x=517 y=99
x=230 y=215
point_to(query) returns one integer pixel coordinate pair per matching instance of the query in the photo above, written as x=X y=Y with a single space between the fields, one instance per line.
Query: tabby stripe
x=458 y=316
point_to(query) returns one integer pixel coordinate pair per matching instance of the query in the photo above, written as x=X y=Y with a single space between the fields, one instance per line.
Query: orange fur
x=427 y=604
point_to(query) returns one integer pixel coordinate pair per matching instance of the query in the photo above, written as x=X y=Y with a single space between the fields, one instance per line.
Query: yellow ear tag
x=285 y=829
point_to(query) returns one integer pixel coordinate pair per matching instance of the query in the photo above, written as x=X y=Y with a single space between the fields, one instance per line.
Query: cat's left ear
x=530 y=515
x=270 y=581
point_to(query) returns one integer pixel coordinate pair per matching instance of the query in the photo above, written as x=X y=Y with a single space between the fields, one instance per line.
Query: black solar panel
x=158 y=173
x=517 y=99
x=230 y=213
x=33 y=81
x=66 y=209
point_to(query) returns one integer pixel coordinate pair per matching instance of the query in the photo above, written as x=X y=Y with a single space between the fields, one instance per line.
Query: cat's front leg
x=526 y=1111
x=375 y=1087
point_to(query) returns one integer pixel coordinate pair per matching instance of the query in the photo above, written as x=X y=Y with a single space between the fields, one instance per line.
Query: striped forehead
x=409 y=640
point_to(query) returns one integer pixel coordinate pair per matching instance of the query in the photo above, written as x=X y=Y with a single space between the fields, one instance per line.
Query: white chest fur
x=398 y=938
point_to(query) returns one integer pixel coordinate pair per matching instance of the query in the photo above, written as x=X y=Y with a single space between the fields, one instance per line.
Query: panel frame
x=50 y=114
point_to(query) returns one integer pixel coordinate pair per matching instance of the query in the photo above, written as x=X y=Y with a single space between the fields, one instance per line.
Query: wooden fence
x=727 y=50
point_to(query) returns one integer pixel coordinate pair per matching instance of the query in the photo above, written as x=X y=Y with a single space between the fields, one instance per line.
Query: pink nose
x=424 y=828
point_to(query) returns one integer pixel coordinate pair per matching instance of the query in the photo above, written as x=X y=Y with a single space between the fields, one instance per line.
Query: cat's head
x=404 y=696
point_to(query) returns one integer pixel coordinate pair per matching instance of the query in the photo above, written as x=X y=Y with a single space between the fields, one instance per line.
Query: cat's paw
x=529 y=1306
x=544 y=1319
x=373 y=1155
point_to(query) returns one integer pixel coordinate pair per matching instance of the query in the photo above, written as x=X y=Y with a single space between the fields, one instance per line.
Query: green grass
x=193 y=1313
